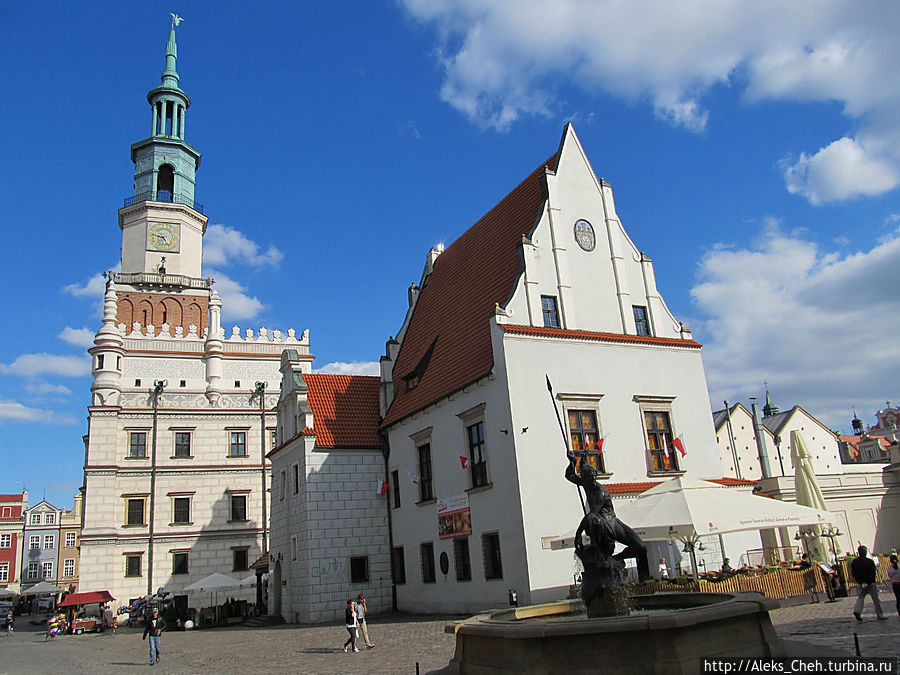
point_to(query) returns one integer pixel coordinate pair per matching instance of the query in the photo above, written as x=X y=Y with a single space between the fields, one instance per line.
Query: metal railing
x=154 y=279
x=163 y=196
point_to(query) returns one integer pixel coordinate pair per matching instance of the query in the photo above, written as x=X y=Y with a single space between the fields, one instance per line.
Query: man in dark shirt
x=863 y=570
x=154 y=626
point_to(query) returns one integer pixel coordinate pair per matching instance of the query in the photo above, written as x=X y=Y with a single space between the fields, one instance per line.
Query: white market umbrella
x=808 y=493
x=6 y=593
x=248 y=581
x=42 y=588
x=686 y=509
x=212 y=584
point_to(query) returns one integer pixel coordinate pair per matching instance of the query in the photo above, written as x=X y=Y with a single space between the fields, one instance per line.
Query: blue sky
x=754 y=152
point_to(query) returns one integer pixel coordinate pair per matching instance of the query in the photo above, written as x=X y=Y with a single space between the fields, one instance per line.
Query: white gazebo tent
x=212 y=584
x=686 y=509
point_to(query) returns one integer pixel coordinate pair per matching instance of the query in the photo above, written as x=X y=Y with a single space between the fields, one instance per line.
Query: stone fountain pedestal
x=669 y=633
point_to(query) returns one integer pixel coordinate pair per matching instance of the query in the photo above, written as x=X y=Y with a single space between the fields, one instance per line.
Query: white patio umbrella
x=43 y=588
x=808 y=493
x=248 y=581
x=212 y=584
x=686 y=509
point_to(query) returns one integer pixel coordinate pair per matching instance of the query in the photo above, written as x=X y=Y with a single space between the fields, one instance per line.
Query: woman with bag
x=351 y=625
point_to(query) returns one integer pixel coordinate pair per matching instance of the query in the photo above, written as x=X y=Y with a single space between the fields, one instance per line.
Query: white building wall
x=747 y=451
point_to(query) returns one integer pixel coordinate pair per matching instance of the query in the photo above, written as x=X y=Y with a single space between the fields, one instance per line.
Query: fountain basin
x=675 y=633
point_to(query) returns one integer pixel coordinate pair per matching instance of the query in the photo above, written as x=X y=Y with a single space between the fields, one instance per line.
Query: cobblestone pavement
x=402 y=641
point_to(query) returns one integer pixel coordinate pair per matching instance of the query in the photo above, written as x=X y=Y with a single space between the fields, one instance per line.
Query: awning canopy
x=87 y=598
x=214 y=582
x=262 y=563
x=42 y=588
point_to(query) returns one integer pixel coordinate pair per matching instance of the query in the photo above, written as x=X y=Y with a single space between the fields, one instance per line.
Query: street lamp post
x=260 y=392
x=158 y=387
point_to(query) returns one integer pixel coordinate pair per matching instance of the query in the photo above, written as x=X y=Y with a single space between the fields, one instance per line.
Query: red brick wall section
x=159 y=308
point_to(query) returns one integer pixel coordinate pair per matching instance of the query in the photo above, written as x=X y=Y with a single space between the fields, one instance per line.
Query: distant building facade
x=12 y=529
x=40 y=558
x=69 y=545
x=175 y=478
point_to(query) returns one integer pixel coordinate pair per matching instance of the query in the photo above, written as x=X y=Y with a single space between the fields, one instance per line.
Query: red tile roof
x=88 y=598
x=452 y=313
x=599 y=337
x=345 y=410
x=853 y=443
x=638 y=487
x=11 y=498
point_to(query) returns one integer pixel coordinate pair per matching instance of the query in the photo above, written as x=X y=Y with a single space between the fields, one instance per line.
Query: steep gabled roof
x=451 y=317
x=345 y=410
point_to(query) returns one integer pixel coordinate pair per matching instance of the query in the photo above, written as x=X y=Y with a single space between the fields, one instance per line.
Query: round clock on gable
x=163 y=237
x=584 y=235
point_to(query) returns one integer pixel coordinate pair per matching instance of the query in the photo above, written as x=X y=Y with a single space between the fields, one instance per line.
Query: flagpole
x=562 y=430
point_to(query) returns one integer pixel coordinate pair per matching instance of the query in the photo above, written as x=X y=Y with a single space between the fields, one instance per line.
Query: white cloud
x=223 y=245
x=505 y=59
x=236 y=304
x=33 y=365
x=819 y=326
x=12 y=411
x=93 y=287
x=80 y=337
x=351 y=368
x=41 y=388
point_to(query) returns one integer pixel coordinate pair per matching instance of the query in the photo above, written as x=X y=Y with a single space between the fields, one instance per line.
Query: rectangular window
x=461 y=558
x=133 y=565
x=51 y=519
x=35 y=518
x=293 y=548
x=641 y=324
x=7 y=512
x=240 y=559
x=359 y=569
x=548 y=309
x=69 y=567
x=239 y=507
x=4 y=572
x=283 y=487
x=395 y=487
x=490 y=552
x=585 y=437
x=49 y=541
x=181 y=508
x=273 y=439
x=296 y=477
x=427 y=552
x=33 y=570
x=70 y=540
x=5 y=541
x=238 y=446
x=180 y=562
x=426 y=483
x=46 y=570
x=135 y=512
x=398 y=565
x=34 y=542
x=137 y=444
x=182 y=443
x=477 y=454
x=663 y=457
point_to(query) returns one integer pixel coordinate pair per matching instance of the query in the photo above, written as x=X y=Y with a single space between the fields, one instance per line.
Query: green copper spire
x=169 y=75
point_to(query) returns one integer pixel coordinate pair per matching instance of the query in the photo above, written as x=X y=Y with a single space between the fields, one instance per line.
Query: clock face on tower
x=163 y=237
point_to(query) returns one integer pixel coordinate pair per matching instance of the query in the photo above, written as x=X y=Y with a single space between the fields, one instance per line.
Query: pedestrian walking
x=894 y=574
x=10 y=620
x=154 y=626
x=351 y=625
x=863 y=570
x=361 y=611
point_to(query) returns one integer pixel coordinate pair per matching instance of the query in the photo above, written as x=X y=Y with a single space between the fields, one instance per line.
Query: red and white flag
x=464 y=461
x=382 y=488
x=665 y=448
x=413 y=477
x=601 y=442
x=679 y=445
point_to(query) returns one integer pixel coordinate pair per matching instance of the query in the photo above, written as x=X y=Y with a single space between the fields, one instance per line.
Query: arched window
x=165 y=183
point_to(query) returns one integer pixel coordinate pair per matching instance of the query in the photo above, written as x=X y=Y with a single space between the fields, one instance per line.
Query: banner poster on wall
x=454 y=517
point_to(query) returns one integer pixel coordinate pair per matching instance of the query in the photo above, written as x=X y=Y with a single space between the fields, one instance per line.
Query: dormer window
x=412 y=380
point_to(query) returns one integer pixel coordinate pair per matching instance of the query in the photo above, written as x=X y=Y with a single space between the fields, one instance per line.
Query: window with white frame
x=7 y=512
x=46 y=570
x=70 y=540
x=49 y=541
x=35 y=518
x=4 y=572
x=34 y=542
x=5 y=541
x=69 y=567
x=473 y=423
x=50 y=519
x=33 y=570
